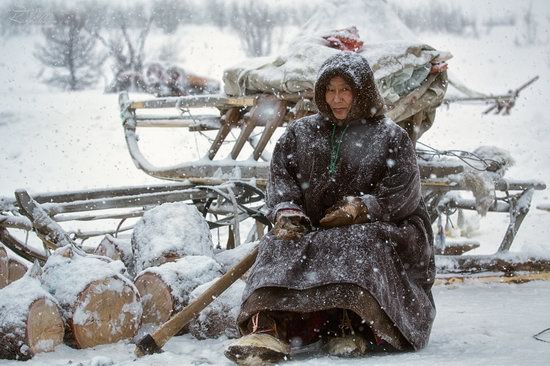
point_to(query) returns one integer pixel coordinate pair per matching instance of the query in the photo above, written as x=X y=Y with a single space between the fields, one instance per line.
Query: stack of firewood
x=86 y=300
x=82 y=299
x=171 y=266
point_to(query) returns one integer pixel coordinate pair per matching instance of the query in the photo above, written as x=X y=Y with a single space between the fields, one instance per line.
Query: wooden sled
x=228 y=187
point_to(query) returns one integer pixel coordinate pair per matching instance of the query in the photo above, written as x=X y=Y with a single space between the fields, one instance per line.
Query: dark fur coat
x=382 y=270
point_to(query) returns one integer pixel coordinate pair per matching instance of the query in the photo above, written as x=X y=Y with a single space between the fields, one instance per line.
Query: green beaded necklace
x=335 y=149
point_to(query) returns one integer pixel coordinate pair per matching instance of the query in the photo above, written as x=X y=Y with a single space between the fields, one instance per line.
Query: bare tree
x=69 y=50
x=255 y=21
x=128 y=54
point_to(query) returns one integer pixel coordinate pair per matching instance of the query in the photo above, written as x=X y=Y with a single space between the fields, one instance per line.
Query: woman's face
x=339 y=97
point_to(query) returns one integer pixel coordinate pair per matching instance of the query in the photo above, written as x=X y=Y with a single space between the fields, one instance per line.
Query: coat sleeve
x=283 y=188
x=398 y=193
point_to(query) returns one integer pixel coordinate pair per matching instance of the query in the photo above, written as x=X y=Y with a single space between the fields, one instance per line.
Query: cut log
x=169 y=232
x=116 y=249
x=3 y=267
x=165 y=289
x=156 y=298
x=99 y=304
x=220 y=317
x=16 y=269
x=30 y=318
x=104 y=313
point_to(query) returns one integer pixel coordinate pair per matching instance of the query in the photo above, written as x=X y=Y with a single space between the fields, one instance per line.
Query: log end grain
x=16 y=270
x=45 y=327
x=40 y=329
x=156 y=298
x=107 y=311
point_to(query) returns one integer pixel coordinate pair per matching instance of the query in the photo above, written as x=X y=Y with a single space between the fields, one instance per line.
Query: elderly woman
x=349 y=263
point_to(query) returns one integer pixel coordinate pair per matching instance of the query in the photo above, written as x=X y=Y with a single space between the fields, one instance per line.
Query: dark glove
x=291 y=225
x=351 y=210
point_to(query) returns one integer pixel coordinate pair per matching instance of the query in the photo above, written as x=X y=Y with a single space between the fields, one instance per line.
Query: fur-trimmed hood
x=355 y=69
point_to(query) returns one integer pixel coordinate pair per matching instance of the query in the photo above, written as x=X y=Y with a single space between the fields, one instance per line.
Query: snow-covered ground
x=58 y=141
x=475 y=325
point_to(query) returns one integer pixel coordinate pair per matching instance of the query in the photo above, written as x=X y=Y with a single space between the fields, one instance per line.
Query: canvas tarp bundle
x=399 y=67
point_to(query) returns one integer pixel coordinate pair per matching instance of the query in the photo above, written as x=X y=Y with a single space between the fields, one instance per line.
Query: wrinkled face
x=339 y=97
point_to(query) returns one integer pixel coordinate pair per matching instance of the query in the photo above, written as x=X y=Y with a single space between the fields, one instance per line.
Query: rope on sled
x=462 y=155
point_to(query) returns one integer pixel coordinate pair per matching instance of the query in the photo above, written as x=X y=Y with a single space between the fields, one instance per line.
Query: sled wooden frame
x=202 y=180
x=515 y=201
x=249 y=112
x=231 y=203
x=269 y=111
x=76 y=206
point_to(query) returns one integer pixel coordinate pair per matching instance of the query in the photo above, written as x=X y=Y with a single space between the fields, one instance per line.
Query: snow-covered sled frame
x=233 y=189
x=43 y=214
x=268 y=112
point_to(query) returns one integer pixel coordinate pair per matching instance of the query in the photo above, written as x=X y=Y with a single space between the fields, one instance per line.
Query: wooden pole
x=47 y=229
x=153 y=343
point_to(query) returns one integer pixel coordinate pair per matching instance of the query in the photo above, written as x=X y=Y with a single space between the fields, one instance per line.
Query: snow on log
x=116 y=249
x=99 y=304
x=30 y=318
x=165 y=289
x=220 y=317
x=16 y=269
x=229 y=258
x=3 y=267
x=168 y=232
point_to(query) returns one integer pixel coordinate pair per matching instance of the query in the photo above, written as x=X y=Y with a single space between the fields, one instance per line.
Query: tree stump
x=220 y=317
x=16 y=269
x=165 y=289
x=169 y=232
x=116 y=249
x=99 y=304
x=30 y=318
x=3 y=267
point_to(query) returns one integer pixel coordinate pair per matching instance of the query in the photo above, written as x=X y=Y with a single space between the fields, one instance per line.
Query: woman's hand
x=351 y=210
x=291 y=225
